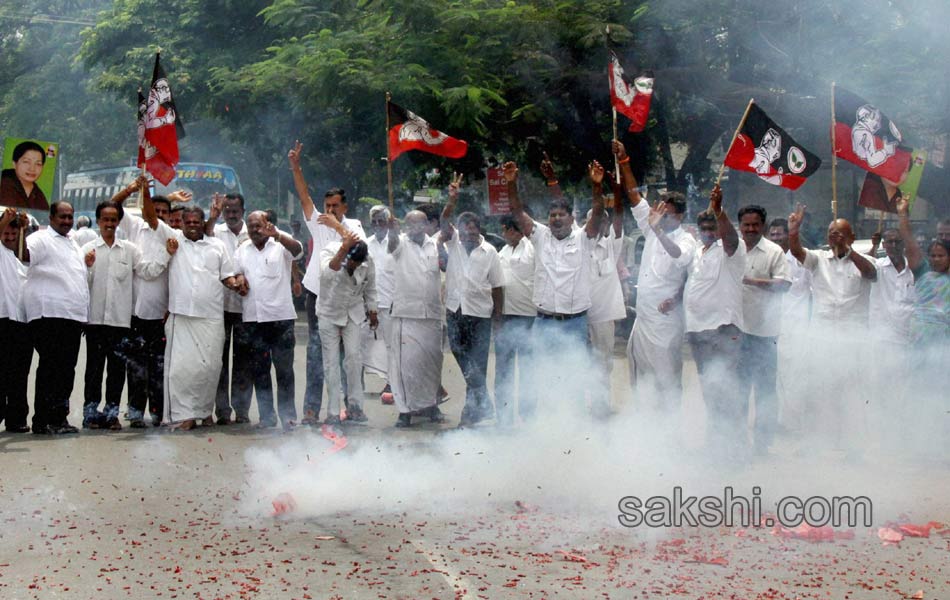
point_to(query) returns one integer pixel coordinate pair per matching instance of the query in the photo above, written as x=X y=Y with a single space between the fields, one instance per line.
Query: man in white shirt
x=194 y=331
x=17 y=352
x=792 y=378
x=233 y=232
x=146 y=348
x=376 y=347
x=841 y=282
x=347 y=298
x=606 y=297
x=474 y=299
x=268 y=317
x=56 y=299
x=655 y=346
x=84 y=233
x=334 y=203
x=114 y=264
x=415 y=363
x=713 y=302
x=561 y=282
x=512 y=339
x=765 y=281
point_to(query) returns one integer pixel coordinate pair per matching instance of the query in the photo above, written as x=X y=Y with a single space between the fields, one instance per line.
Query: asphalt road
x=435 y=513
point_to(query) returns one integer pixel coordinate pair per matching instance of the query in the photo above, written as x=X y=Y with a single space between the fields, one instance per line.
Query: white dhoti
x=602 y=347
x=415 y=362
x=655 y=352
x=375 y=344
x=193 y=351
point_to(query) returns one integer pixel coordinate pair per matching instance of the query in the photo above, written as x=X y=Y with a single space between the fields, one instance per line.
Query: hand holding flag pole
x=613 y=108
x=745 y=115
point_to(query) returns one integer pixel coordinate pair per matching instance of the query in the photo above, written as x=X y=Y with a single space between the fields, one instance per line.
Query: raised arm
x=794 y=235
x=912 y=251
x=393 y=235
x=348 y=241
x=629 y=182
x=217 y=204
x=867 y=268
x=445 y=221
x=655 y=217
x=727 y=233
x=148 y=209
x=284 y=239
x=596 y=174
x=137 y=183
x=616 y=220
x=300 y=184
x=510 y=172
x=550 y=179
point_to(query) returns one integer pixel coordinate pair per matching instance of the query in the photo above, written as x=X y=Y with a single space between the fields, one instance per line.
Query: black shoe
x=66 y=428
x=333 y=420
x=42 y=430
x=224 y=420
x=18 y=429
x=404 y=420
x=356 y=415
x=244 y=420
x=137 y=424
x=435 y=415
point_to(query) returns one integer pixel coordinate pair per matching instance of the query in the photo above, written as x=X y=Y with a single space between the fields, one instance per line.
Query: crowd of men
x=196 y=314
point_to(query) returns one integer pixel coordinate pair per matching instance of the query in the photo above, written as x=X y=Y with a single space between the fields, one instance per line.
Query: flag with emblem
x=863 y=135
x=409 y=131
x=630 y=100
x=161 y=130
x=764 y=148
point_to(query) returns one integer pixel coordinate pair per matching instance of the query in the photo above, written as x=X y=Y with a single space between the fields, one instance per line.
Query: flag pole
x=20 y=236
x=613 y=108
x=745 y=116
x=389 y=162
x=834 y=158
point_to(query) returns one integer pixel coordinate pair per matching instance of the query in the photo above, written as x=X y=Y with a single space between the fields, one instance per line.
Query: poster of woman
x=29 y=170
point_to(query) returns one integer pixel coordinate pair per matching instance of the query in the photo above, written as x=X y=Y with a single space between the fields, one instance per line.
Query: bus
x=85 y=189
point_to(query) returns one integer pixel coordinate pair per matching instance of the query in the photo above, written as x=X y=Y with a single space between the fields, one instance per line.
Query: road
x=437 y=513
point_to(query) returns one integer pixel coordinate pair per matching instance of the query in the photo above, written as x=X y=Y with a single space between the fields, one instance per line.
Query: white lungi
x=415 y=363
x=193 y=352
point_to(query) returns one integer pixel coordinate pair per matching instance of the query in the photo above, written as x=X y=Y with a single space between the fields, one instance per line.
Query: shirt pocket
x=210 y=262
x=119 y=268
x=270 y=269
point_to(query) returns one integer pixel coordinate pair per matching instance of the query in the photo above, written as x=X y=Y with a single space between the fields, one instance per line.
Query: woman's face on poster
x=29 y=167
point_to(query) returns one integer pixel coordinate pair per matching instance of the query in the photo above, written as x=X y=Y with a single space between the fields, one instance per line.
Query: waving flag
x=763 y=148
x=632 y=101
x=160 y=128
x=866 y=137
x=408 y=131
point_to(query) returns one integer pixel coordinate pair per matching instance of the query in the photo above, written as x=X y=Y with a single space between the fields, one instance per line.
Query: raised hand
x=293 y=155
x=715 y=200
x=619 y=151
x=455 y=185
x=394 y=225
x=270 y=230
x=547 y=168
x=596 y=173
x=328 y=219
x=656 y=214
x=171 y=246
x=9 y=216
x=349 y=239
x=795 y=219
x=903 y=206
x=509 y=171
x=217 y=205
x=138 y=183
x=90 y=258
x=180 y=196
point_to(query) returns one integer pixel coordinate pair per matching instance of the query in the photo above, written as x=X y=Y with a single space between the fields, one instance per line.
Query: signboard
x=29 y=170
x=498 y=203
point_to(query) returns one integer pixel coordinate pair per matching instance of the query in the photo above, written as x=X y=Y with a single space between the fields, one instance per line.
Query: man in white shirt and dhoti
x=415 y=363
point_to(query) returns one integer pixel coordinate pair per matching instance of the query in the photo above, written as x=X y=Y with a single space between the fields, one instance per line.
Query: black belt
x=559 y=316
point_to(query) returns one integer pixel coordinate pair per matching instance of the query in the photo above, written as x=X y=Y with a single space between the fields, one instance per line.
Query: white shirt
x=470 y=277
x=561 y=271
x=195 y=274
x=383 y=265
x=839 y=293
x=761 y=308
x=269 y=297
x=83 y=236
x=797 y=300
x=417 y=293
x=56 y=280
x=110 y=280
x=518 y=266
x=606 y=295
x=713 y=295
x=891 y=303
x=151 y=295
x=323 y=235
x=661 y=276
x=12 y=277
x=232 y=300
x=343 y=296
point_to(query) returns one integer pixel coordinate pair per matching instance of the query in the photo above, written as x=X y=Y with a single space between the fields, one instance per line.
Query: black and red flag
x=866 y=137
x=160 y=128
x=763 y=148
x=408 y=131
x=632 y=101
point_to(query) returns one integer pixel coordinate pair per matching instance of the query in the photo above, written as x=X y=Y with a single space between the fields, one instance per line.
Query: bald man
x=415 y=363
x=841 y=285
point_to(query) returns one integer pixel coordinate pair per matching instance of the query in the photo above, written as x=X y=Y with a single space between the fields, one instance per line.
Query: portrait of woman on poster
x=18 y=185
